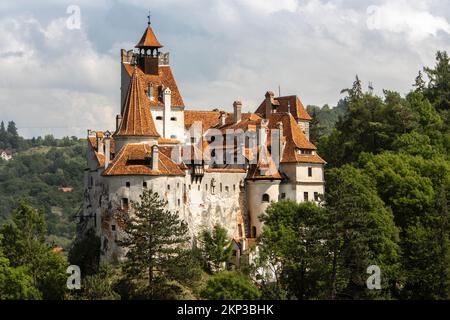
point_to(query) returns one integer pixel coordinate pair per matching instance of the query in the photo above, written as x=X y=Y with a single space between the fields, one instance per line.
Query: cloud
x=65 y=81
x=53 y=78
x=408 y=17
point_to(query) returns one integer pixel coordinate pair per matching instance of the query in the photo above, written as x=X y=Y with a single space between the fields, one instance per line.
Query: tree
x=24 y=245
x=291 y=249
x=229 y=285
x=419 y=83
x=85 y=253
x=438 y=91
x=155 y=240
x=216 y=248
x=360 y=232
x=15 y=283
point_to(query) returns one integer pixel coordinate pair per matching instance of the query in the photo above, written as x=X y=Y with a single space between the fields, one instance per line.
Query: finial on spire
x=149 y=16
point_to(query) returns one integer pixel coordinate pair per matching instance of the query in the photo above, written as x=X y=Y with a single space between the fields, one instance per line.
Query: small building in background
x=5 y=154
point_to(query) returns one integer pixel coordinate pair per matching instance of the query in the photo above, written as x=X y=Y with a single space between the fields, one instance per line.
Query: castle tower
x=137 y=124
x=148 y=56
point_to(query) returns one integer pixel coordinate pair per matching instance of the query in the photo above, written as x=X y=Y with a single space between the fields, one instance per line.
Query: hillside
x=39 y=169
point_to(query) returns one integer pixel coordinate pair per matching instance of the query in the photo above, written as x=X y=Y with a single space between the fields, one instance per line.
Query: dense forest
x=40 y=168
x=387 y=204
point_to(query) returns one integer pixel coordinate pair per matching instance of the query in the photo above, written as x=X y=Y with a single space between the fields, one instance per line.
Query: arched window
x=265 y=198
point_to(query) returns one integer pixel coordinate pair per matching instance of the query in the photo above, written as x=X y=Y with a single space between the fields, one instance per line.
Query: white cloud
x=52 y=77
x=409 y=17
x=221 y=50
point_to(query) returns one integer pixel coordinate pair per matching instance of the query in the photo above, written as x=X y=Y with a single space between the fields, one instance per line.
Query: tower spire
x=149 y=16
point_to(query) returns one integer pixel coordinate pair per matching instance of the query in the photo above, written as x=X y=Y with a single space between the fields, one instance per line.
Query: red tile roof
x=135 y=159
x=164 y=79
x=149 y=39
x=137 y=119
x=291 y=104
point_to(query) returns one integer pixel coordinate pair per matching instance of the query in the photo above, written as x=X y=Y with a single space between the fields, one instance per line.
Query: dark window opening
x=173 y=119
x=316 y=196
x=125 y=204
x=306 y=196
x=113 y=227
x=127 y=184
x=309 y=172
x=158 y=118
x=144 y=184
x=253 y=232
x=265 y=198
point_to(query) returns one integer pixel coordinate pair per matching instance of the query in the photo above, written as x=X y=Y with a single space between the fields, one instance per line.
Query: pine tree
x=216 y=247
x=156 y=240
x=419 y=84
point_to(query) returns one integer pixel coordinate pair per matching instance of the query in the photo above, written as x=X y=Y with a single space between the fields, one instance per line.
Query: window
x=227 y=189
x=173 y=137
x=144 y=185
x=158 y=118
x=125 y=204
x=178 y=185
x=127 y=184
x=113 y=227
x=234 y=187
x=253 y=232
x=283 y=196
x=306 y=196
x=240 y=230
x=168 y=187
x=198 y=187
x=265 y=198
x=220 y=187
x=206 y=187
x=192 y=139
x=316 y=196
x=173 y=119
x=309 y=172
x=91 y=182
x=234 y=253
x=179 y=201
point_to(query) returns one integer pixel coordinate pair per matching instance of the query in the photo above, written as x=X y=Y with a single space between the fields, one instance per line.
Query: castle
x=212 y=167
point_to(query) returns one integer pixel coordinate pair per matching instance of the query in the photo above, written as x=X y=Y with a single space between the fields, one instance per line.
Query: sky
x=63 y=77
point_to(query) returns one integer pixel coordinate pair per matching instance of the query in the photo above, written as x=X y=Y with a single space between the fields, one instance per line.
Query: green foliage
x=291 y=245
x=36 y=173
x=23 y=244
x=216 y=248
x=85 y=253
x=156 y=242
x=98 y=286
x=15 y=283
x=228 y=285
x=360 y=232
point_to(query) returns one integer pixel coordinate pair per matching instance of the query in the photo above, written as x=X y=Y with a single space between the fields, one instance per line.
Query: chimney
x=118 y=121
x=269 y=102
x=167 y=94
x=99 y=136
x=155 y=157
x=222 y=118
x=107 y=148
x=237 y=107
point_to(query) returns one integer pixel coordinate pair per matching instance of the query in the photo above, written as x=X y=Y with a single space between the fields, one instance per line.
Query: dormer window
x=305 y=152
